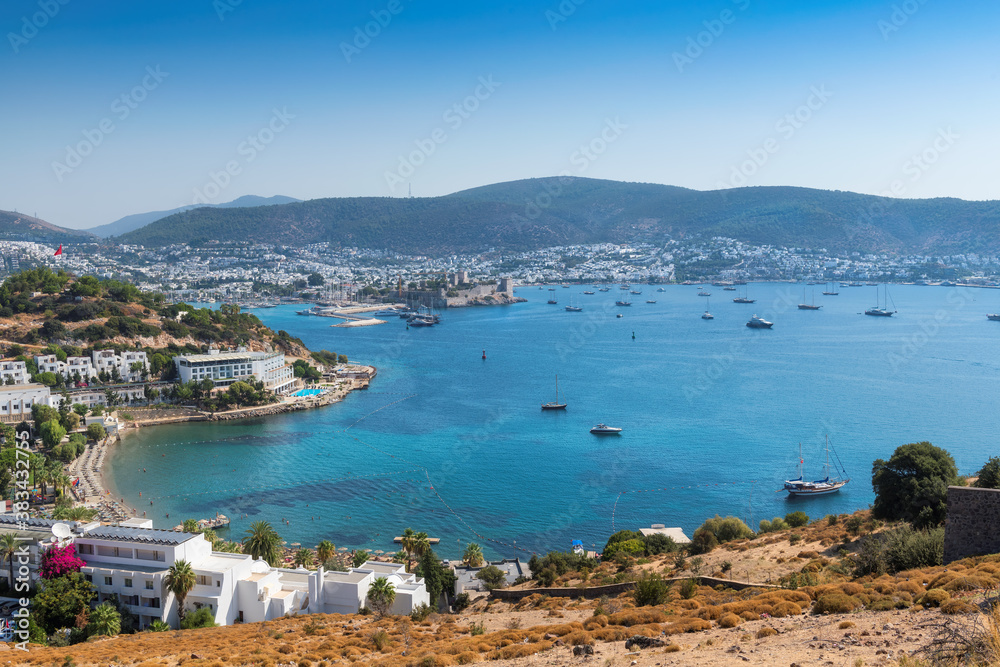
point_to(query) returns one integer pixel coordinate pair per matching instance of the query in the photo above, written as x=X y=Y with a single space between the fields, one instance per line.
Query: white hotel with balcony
x=225 y=368
x=130 y=560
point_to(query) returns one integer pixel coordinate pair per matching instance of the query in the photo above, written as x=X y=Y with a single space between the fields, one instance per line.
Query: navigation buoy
x=633 y=335
x=484 y=354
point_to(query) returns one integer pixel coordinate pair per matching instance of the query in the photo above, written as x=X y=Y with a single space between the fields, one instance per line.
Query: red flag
x=59 y=251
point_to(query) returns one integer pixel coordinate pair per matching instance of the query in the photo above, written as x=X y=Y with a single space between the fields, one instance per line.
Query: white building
x=225 y=368
x=81 y=366
x=16 y=400
x=106 y=360
x=132 y=559
x=15 y=370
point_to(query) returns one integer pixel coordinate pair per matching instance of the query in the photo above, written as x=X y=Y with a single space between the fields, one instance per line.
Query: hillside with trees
x=21 y=227
x=537 y=213
x=49 y=312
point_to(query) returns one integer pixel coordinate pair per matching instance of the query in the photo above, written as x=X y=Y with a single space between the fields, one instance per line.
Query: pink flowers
x=57 y=561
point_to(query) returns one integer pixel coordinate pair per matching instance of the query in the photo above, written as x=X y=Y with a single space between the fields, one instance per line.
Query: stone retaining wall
x=612 y=590
x=971 y=527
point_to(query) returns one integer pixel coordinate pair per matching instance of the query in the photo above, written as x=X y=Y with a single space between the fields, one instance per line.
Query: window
x=202 y=580
x=107 y=581
x=218 y=583
x=149 y=585
x=89 y=578
x=85 y=549
x=128 y=582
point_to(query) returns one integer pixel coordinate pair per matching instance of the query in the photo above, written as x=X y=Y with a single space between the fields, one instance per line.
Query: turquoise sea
x=712 y=412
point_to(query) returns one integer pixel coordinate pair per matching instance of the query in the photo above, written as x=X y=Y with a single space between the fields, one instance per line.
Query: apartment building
x=132 y=559
x=225 y=368
x=13 y=370
x=16 y=400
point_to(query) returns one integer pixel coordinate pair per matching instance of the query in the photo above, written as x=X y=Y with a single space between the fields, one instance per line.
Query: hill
x=21 y=227
x=829 y=615
x=537 y=213
x=138 y=220
x=66 y=316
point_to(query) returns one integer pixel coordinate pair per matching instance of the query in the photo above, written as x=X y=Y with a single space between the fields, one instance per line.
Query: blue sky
x=112 y=108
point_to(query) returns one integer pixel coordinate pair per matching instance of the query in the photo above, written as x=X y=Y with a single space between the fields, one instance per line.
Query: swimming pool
x=308 y=392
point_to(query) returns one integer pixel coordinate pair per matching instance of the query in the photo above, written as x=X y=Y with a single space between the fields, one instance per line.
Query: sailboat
x=707 y=315
x=820 y=487
x=554 y=405
x=881 y=310
x=808 y=306
x=832 y=291
x=745 y=298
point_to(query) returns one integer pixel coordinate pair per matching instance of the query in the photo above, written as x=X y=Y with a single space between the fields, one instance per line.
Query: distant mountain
x=21 y=227
x=537 y=213
x=138 y=220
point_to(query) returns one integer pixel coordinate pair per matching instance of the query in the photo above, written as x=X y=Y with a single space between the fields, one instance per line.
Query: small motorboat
x=604 y=429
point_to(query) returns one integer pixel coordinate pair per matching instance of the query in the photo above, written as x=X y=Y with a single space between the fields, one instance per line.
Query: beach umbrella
x=379 y=552
x=342 y=549
x=296 y=544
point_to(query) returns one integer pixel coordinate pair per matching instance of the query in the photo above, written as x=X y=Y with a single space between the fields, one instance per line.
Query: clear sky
x=111 y=108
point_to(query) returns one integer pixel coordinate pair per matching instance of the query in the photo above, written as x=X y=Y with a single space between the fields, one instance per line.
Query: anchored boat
x=820 y=487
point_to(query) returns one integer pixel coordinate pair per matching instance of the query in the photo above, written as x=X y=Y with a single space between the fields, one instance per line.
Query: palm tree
x=473 y=556
x=325 y=550
x=262 y=542
x=80 y=513
x=421 y=544
x=407 y=541
x=105 y=620
x=61 y=482
x=8 y=547
x=381 y=595
x=180 y=580
x=190 y=526
x=304 y=557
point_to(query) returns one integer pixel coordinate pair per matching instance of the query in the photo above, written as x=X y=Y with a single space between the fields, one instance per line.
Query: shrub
x=689 y=588
x=379 y=639
x=650 y=590
x=659 y=544
x=853 y=524
x=703 y=541
x=845 y=625
x=763 y=633
x=201 y=618
x=958 y=607
x=462 y=602
x=796 y=519
x=836 y=603
x=729 y=621
x=935 y=597
x=831 y=519
x=900 y=549
x=794 y=538
x=631 y=547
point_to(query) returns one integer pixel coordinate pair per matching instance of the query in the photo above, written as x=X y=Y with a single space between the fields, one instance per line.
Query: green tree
x=473 y=556
x=200 y=618
x=381 y=595
x=989 y=474
x=262 y=542
x=360 y=557
x=96 y=432
x=104 y=620
x=8 y=547
x=492 y=576
x=650 y=590
x=190 y=526
x=80 y=409
x=325 y=550
x=59 y=601
x=180 y=580
x=52 y=433
x=913 y=485
x=315 y=280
